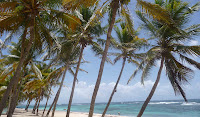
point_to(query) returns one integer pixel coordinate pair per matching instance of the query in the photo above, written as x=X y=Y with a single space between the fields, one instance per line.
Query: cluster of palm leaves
x=52 y=36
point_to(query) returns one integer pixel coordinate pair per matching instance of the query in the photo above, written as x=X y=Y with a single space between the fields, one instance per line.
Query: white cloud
x=134 y=92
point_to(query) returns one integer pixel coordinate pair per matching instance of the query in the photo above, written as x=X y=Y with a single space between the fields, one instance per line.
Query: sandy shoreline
x=22 y=113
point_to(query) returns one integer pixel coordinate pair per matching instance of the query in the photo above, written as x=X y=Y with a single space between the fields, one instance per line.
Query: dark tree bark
x=15 y=79
x=37 y=108
x=50 y=108
x=9 y=102
x=74 y=82
x=13 y=101
x=58 y=93
x=152 y=90
x=115 y=87
x=46 y=103
x=114 y=6
x=34 y=108
x=28 y=103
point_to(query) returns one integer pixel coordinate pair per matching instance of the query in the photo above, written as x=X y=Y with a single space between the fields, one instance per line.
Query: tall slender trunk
x=9 y=102
x=46 y=102
x=28 y=103
x=51 y=107
x=14 y=100
x=15 y=78
x=52 y=102
x=34 y=108
x=114 y=6
x=58 y=93
x=115 y=87
x=74 y=82
x=152 y=90
x=37 y=108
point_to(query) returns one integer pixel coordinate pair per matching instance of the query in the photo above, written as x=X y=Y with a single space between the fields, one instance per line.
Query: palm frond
x=190 y=61
x=190 y=50
x=194 y=8
x=118 y=58
x=146 y=69
x=156 y=11
x=36 y=70
x=129 y=21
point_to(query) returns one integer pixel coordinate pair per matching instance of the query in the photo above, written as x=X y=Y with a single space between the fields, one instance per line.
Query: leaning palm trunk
x=46 y=102
x=15 y=78
x=28 y=103
x=9 y=102
x=58 y=93
x=115 y=88
x=48 y=99
x=50 y=107
x=13 y=100
x=152 y=90
x=38 y=105
x=34 y=108
x=74 y=82
x=114 y=7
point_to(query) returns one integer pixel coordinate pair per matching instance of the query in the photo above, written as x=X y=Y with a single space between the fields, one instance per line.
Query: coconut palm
x=66 y=57
x=31 y=17
x=84 y=39
x=170 y=45
x=11 y=61
x=14 y=17
x=41 y=82
x=114 y=6
x=127 y=44
x=56 y=73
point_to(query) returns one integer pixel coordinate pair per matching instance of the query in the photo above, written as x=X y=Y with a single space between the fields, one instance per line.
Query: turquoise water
x=172 y=108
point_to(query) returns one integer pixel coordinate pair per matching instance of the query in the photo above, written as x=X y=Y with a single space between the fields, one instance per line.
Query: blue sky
x=132 y=92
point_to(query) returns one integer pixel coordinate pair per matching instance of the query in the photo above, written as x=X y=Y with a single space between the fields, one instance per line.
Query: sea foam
x=190 y=103
x=164 y=102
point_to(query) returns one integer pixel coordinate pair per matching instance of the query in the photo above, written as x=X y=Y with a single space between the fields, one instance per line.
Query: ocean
x=172 y=108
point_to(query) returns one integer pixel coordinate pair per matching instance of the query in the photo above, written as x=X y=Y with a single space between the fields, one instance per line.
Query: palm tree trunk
x=58 y=93
x=74 y=82
x=152 y=90
x=53 y=100
x=115 y=87
x=114 y=6
x=46 y=102
x=9 y=102
x=38 y=105
x=14 y=100
x=34 y=108
x=28 y=103
x=51 y=107
x=15 y=78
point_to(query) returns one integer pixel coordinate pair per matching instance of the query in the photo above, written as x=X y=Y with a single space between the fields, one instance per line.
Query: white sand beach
x=22 y=113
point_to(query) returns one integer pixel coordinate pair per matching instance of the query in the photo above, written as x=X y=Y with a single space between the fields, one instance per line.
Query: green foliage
x=170 y=45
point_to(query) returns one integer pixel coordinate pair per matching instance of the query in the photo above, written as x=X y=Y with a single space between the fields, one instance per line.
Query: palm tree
x=168 y=47
x=86 y=38
x=56 y=73
x=11 y=61
x=40 y=85
x=127 y=44
x=32 y=17
x=66 y=56
x=114 y=6
x=21 y=16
